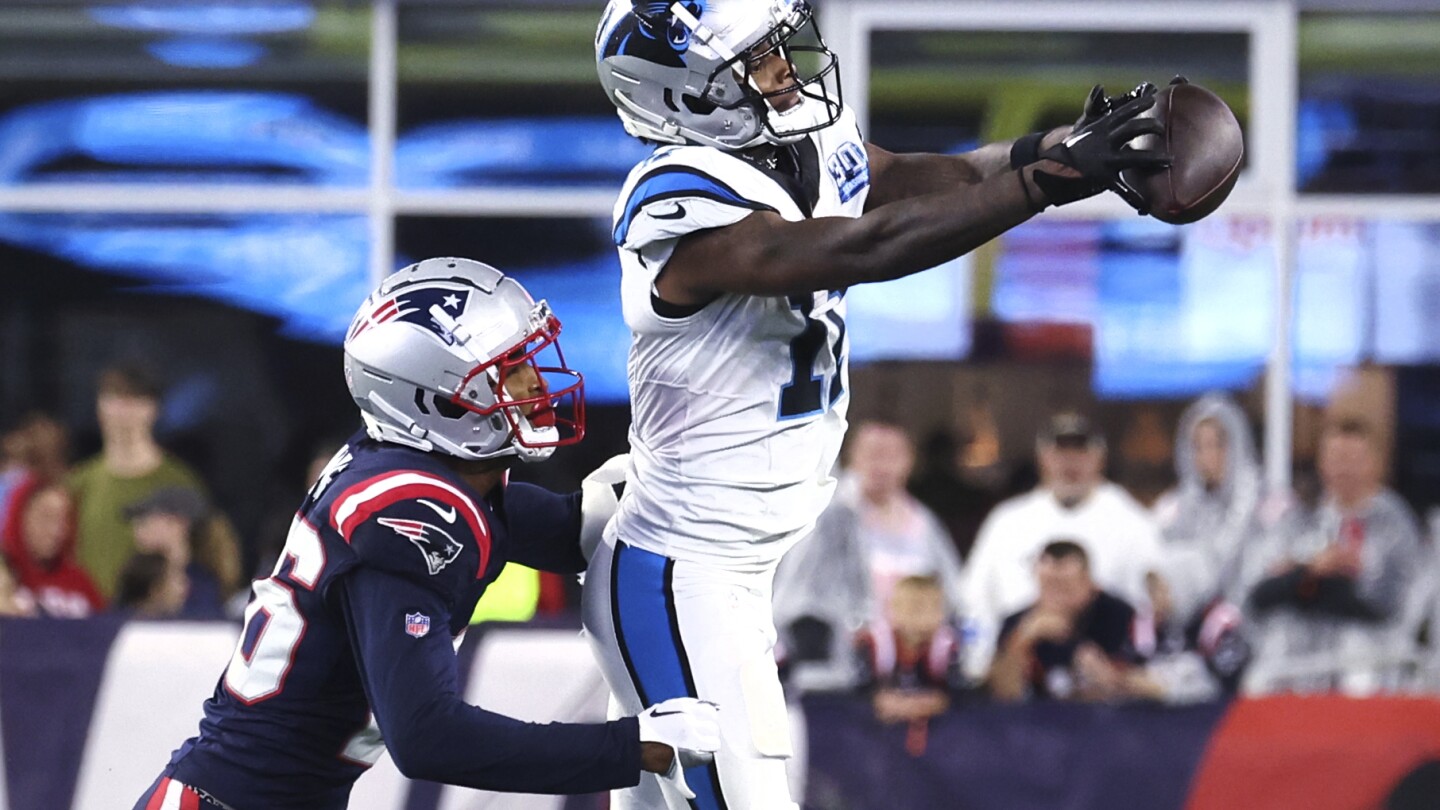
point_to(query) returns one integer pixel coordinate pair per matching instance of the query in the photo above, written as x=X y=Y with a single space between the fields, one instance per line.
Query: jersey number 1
x=805 y=395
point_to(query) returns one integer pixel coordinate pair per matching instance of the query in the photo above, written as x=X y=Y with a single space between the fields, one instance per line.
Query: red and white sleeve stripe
x=172 y=795
x=358 y=503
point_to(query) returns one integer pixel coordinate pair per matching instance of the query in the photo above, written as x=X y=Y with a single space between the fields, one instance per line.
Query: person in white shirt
x=1073 y=501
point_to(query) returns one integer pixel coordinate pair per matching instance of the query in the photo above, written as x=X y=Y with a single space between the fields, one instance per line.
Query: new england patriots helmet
x=428 y=356
x=682 y=71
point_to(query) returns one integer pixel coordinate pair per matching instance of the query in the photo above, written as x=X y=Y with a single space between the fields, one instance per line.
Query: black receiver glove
x=1097 y=152
x=1098 y=105
x=1026 y=149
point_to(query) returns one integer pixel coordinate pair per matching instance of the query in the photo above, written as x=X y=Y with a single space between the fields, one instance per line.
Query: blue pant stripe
x=648 y=633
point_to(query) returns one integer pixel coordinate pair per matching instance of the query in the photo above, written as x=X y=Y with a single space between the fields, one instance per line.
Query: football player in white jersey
x=738 y=237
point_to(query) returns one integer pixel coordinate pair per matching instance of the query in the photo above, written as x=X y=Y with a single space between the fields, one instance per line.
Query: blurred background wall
x=212 y=187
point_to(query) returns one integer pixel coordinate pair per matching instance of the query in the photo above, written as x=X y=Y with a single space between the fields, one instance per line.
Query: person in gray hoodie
x=1207 y=519
x=1331 y=592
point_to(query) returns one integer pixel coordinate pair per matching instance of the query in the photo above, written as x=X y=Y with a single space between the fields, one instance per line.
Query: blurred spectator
x=1207 y=519
x=14 y=600
x=910 y=660
x=275 y=528
x=911 y=663
x=151 y=587
x=1198 y=658
x=130 y=467
x=39 y=543
x=1330 y=589
x=871 y=536
x=13 y=470
x=1076 y=642
x=35 y=450
x=169 y=523
x=943 y=488
x=1145 y=455
x=1073 y=501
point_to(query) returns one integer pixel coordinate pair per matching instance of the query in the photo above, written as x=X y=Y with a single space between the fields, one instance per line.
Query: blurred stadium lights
x=208 y=19
x=305 y=121
x=207 y=52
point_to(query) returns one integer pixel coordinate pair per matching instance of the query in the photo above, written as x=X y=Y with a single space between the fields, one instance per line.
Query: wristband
x=1025 y=150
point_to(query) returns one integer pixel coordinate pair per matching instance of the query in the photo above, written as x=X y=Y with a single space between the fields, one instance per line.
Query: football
x=1205 y=139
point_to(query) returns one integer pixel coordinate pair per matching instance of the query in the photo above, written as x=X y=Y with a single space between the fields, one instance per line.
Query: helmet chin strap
x=806 y=112
x=524 y=428
x=663 y=127
x=404 y=430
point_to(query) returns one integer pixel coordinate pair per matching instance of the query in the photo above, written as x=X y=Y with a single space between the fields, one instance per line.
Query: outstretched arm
x=433 y=734
x=765 y=254
x=898 y=176
x=544 y=528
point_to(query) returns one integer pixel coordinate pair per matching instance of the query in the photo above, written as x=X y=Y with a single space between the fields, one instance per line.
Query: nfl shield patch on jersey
x=417 y=624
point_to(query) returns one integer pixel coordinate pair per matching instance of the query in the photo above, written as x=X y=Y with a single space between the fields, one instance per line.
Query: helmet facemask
x=814 y=98
x=539 y=421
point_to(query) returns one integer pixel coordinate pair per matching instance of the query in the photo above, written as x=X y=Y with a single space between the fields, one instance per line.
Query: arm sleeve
x=544 y=528
x=1339 y=596
x=1382 y=589
x=1282 y=589
x=432 y=734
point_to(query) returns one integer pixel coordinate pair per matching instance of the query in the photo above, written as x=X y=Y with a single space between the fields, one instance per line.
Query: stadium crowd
x=923 y=590
x=1076 y=590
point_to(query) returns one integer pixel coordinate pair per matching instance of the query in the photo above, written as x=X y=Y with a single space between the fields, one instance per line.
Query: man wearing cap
x=1073 y=501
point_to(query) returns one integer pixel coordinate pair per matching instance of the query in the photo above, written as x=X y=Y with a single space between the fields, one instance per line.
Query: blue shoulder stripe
x=677 y=181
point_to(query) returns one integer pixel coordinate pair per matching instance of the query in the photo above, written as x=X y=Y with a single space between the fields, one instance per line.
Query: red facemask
x=559 y=401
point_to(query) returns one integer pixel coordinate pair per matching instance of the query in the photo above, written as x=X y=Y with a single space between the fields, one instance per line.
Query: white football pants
x=664 y=628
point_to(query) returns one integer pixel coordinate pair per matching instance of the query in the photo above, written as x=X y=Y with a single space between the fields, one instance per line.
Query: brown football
x=1205 y=139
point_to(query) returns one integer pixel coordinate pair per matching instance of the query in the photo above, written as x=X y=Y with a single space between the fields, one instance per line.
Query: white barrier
x=157 y=677
x=535 y=675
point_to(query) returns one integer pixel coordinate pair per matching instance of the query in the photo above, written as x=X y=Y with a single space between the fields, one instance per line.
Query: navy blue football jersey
x=348 y=647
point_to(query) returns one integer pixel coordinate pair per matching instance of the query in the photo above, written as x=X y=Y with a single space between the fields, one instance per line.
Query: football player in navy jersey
x=347 y=647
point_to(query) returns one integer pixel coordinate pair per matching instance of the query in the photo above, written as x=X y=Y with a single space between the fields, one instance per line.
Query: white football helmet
x=679 y=71
x=429 y=353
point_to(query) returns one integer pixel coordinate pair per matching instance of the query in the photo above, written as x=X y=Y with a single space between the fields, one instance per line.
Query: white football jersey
x=738 y=407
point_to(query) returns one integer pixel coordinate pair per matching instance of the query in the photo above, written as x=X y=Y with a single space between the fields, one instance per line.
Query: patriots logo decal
x=413 y=306
x=436 y=544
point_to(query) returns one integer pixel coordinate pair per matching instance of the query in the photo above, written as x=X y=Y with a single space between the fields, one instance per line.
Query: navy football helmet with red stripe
x=452 y=356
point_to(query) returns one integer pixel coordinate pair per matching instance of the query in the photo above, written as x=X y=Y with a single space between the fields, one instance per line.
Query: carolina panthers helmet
x=428 y=355
x=680 y=71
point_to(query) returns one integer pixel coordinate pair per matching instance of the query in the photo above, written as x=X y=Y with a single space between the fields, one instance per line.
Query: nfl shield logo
x=417 y=624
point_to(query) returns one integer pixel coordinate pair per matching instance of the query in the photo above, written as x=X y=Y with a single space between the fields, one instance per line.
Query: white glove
x=599 y=499
x=691 y=728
